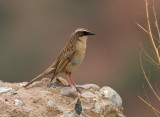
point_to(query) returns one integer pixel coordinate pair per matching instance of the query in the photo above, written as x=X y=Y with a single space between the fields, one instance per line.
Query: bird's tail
x=36 y=78
x=48 y=71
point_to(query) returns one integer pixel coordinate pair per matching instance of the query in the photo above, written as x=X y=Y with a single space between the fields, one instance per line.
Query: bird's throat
x=81 y=45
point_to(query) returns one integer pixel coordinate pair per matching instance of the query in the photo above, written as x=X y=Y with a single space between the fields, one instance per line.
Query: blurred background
x=33 y=32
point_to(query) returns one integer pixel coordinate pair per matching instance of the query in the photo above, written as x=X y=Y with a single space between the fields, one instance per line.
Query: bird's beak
x=90 y=33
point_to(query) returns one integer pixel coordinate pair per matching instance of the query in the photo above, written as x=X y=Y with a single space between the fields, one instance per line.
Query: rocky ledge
x=58 y=100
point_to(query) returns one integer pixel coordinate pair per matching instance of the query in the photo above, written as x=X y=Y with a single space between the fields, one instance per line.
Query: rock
x=111 y=103
x=1 y=82
x=88 y=95
x=97 y=107
x=16 y=102
x=69 y=91
x=22 y=84
x=68 y=101
x=50 y=103
x=52 y=85
x=6 y=100
x=78 y=107
x=28 y=111
x=60 y=102
x=23 y=103
x=58 y=82
x=91 y=86
x=111 y=95
x=61 y=82
x=5 y=89
x=69 y=114
x=15 y=93
x=80 y=86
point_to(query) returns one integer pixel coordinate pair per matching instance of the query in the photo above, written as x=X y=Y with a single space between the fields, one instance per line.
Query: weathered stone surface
x=91 y=86
x=50 y=103
x=42 y=101
x=5 y=89
x=68 y=91
x=88 y=95
x=111 y=102
x=17 y=102
x=108 y=94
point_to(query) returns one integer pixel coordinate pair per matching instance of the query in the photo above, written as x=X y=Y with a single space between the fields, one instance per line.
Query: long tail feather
x=36 y=78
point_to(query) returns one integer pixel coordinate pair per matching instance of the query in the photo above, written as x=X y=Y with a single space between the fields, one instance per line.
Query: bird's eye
x=85 y=33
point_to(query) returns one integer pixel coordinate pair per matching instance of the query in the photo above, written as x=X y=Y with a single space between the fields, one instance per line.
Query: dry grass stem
x=156 y=22
x=152 y=61
x=157 y=89
x=145 y=30
x=146 y=78
x=155 y=110
x=149 y=58
x=150 y=34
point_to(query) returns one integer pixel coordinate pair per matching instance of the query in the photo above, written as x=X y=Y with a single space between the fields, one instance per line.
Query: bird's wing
x=65 y=59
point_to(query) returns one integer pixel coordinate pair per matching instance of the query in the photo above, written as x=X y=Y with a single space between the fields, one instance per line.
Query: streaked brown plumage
x=70 y=57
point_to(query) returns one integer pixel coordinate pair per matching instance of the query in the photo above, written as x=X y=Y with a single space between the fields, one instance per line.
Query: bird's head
x=83 y=32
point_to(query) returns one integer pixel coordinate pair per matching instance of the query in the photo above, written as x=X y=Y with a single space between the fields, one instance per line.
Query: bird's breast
x=77 y=58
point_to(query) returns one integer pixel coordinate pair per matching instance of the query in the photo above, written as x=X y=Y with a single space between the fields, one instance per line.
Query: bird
x=69 y=58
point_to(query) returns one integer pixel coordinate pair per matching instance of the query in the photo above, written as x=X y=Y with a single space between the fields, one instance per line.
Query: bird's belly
x=73 y=64
x=77 y=58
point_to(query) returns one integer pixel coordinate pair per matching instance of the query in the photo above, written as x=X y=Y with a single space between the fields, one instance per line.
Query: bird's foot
x=76 y=87
x=78 y=90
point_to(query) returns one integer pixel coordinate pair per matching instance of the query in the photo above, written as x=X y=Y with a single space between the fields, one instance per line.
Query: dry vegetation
x=155 y=42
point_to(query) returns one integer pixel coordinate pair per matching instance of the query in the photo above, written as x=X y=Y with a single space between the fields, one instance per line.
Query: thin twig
x=147 y=79
x=156 y=87
x=145 y=30
x=156 y=22
x=148 y=55
x=151 y=62
x=141 y=27
x=149 y=105
x=149 y=100
x=150 y=33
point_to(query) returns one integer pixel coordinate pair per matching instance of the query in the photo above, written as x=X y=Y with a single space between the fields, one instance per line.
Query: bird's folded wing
x=64 y=60
x=50 y=70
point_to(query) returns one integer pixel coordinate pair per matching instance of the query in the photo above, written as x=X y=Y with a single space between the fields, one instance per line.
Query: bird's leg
x=51 y=84
x=68 y=80
x=52 y=77
x=74 y=83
